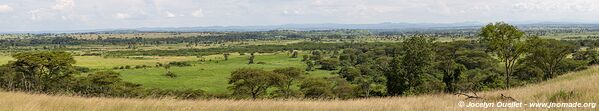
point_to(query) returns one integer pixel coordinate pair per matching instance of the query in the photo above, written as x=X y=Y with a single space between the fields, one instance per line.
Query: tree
x=251 y=59
x=328 y=64
x=226 y=55
x=290 y=74
x=310 y=64
x=252 y=82
x=46 y=71
x=294 y=54
x=547 y=54
x=447 y=54
x=316 y=88
x=504 y=40
x=410 y=65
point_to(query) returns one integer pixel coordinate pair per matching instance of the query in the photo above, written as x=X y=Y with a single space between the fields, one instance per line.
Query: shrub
x=170 y=74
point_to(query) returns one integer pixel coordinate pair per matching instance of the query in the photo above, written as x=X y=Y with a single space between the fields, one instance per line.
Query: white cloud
x=198 y=13
x=5 y=8
x=122 y=16
x=63 y=4
x=170 y=15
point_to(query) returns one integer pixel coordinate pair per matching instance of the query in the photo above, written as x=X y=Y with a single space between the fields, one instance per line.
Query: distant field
x=211 y=76
x=98 y=62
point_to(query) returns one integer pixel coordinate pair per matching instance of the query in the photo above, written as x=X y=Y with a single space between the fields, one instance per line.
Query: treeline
x=502 y=57
x=53 y=73
x=216 y=38
x=242 y=49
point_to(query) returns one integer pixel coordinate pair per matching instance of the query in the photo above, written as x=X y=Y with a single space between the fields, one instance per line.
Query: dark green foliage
x=39 y=72
x=328 y=64
x=170 y=74
x=106 y=83
x=411 y=67
x=316 y=88
x=290 y=75
x=504 y=40
x=547 y=54
x=248 y=82
x=179 y=64
x=294 y=54
x=310 y=64
x=342 y=88
x=591 y=56
x=251 y=59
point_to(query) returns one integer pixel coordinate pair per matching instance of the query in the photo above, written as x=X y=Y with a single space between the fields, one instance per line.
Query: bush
x=316 y=88
x=170 y=74
x=179 y=64
x=328 y=64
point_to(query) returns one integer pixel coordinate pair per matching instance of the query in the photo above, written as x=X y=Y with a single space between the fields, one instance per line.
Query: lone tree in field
x=504 y=40
x=294 y=54
x=226 y=55
x=252 y=82
x=251 y=59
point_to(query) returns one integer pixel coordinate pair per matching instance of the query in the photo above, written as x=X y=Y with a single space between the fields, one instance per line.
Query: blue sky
x=44 y=15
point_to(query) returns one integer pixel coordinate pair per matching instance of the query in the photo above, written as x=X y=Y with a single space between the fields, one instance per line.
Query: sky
x=48 y=15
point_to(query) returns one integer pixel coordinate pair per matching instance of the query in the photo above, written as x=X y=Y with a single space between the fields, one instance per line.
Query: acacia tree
x=252 y=82
x=547 y=54
x=290 y=74
x=505 y=41
x=42 y=71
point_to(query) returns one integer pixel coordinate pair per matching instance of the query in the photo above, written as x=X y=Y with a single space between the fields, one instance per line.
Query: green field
x=211 y=76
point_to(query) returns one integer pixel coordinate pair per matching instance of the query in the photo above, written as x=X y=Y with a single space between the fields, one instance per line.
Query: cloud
x=122 y=16
x=198 y=13
x=5 y=9
x=63 y=4
x=170 y=15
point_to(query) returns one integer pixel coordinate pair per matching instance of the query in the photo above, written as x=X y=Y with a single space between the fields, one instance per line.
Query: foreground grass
x=584 y=83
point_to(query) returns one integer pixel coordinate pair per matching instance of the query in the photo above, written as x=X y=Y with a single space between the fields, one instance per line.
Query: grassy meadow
x=211 y=76
x=583 y=84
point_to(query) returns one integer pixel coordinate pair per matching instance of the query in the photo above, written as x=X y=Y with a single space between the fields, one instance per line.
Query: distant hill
x=387 y=26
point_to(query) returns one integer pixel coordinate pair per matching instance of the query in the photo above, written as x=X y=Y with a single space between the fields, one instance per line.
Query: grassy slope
x=584 y=83
x=211 y=76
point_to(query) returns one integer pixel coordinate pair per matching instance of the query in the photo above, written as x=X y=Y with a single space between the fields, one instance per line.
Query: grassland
x=99 y=62
x=585 y=84
x=211 y=76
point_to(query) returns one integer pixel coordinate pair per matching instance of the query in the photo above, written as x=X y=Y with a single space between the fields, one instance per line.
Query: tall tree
x=505 y=41
x=290 y=75
x=43 y=71
x=547 y=54
x=414 y=61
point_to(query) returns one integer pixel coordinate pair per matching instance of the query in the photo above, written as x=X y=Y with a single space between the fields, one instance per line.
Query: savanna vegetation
x=284 y=64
